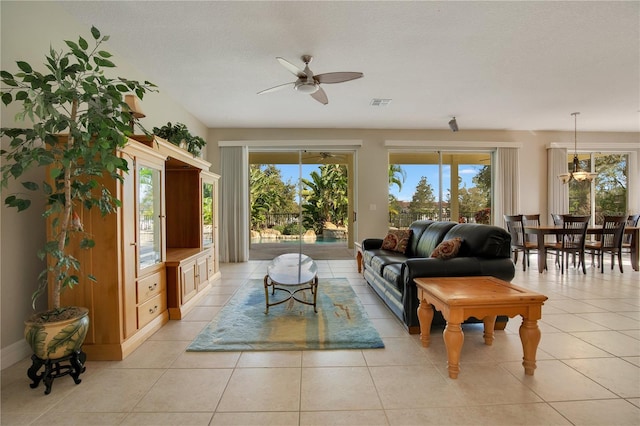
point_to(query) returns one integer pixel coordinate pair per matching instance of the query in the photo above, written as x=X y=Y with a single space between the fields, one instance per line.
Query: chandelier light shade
x=576 y=174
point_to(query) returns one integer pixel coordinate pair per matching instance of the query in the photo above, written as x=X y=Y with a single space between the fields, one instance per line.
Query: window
x=439 y=186
x=607 y=194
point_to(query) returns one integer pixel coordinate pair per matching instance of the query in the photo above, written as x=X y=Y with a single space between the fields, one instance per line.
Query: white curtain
x=507 y=184
x=234 y=213
x=557 y=191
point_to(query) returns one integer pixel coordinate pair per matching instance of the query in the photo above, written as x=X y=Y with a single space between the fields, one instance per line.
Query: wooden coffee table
x=459 y=298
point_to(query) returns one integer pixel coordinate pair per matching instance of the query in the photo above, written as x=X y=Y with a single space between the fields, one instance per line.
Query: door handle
x=355 y=215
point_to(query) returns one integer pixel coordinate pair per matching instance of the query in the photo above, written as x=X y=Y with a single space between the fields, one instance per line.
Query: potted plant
x=179 y=135
x=77 y=122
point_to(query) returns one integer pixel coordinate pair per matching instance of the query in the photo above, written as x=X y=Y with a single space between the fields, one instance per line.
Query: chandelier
x=577 y=174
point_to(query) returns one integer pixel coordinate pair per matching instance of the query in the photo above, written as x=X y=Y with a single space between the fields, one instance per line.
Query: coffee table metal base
x=312 y=285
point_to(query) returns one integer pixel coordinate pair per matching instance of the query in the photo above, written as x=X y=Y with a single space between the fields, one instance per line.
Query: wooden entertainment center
x=156 y=256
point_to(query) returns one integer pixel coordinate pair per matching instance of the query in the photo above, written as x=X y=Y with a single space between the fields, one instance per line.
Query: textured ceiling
x=494 y=65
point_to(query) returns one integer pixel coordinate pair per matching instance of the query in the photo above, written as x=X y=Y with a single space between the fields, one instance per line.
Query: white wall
x=372 y=179
x=28 y=29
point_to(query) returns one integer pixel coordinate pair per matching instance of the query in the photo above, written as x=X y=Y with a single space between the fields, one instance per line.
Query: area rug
x=242 y=325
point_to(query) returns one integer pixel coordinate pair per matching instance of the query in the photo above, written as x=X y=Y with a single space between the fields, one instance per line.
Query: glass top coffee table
x=291 y=273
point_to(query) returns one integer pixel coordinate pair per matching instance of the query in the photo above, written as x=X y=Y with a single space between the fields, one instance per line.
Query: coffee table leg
x=266 y=292
x=489 y=325
x=425 y=317
x=530 y=337
x=453 y=340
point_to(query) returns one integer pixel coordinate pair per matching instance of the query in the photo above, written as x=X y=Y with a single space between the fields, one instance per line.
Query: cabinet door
x=150 y=215
x=188 y=280
x=202 y=273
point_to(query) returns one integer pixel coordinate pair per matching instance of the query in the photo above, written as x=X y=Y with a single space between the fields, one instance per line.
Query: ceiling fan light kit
x=308 y=83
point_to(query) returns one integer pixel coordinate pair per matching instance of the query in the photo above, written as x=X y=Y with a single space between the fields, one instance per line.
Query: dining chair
x=632 y=220
x=515 y=226
x=572 y=241
x=609 y=241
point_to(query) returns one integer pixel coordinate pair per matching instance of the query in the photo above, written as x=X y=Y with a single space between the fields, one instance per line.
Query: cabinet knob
x=152 y=287
x=133 y=244
x=153 y=310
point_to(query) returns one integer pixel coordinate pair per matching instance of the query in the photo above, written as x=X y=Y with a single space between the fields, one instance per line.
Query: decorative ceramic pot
x=57 y=339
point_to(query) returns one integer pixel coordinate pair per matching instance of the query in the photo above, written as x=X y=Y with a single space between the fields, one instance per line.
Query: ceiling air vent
x=377 y=102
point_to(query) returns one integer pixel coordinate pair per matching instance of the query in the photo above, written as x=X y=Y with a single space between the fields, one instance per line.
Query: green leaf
x=55 y=172
x=83 y=43
x=104 y=63
x=31 y=186
x=7 y=98
x=92 y=278
x=95 y=33
x=72 y=45
x=104 y=54
x=21 y=95
x=87 y=243
x=24 y=66
x=46 y=188
x=6 y=75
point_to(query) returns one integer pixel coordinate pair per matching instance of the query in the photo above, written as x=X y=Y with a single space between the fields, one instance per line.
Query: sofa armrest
x=372 y=243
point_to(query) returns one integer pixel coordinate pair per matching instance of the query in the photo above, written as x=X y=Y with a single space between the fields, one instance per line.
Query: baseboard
x=14 y=353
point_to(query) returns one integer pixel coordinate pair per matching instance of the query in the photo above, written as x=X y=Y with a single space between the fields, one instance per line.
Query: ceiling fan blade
x=292 y=68
x=320 y=96
x=337 y=77
x=276 y=88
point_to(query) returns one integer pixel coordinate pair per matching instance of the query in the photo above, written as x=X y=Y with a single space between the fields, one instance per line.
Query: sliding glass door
x=439 y=185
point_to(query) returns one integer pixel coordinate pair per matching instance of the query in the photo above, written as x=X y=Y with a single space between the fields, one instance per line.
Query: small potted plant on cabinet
x=78 y=120
x=179 y=135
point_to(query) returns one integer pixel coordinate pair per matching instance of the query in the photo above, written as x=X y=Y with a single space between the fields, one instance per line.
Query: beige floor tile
x=338 y=388
x=516 y=414
x=613 y=342
x=80 y=419
x=153 y=354
x=337 y=358
x=270 y=359
x=156 y=419
x=389 y=327
x=408 y=387
x=570 y=323
x=257 y=419
x=185 y=390
x=635 y=360
x=401 y=351
x=202 y=313
x=635 y=401
x=179 y=330
x=206 y=360
x=556 y=381
x=347 y=418
x=262 y=389
x=612 y=320
x=599 y=412
x=377 y=311
x=615 y=374
x=112 y=390
x=566 y=346
x=489 y=383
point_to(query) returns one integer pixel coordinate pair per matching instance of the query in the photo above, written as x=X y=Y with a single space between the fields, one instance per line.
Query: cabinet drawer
x=151 y=309
x=150 y=286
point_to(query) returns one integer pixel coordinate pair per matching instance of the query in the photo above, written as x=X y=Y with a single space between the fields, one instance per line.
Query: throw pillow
x=447 y=249
x=397 y=240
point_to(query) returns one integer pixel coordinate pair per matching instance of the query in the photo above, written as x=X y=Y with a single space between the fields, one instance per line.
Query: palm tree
x=325 y=197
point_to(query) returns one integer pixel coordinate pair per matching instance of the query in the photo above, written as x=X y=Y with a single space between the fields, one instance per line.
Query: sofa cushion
x=386 y=257
x=485 y=241
x=431 y=237
x=393 y=273
x=397 y=240
x=447 y=249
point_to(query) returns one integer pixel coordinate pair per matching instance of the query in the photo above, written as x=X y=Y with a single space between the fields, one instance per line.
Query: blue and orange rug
x=242 y=325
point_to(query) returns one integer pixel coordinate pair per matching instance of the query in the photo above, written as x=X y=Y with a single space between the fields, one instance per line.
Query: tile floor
x=588 y=369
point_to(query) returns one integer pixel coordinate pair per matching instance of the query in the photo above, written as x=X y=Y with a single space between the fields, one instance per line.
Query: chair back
x=531 y=220
x=557 y=219
x=515 y=226
x=574 y=231
x=612 y=232
x=632 y=220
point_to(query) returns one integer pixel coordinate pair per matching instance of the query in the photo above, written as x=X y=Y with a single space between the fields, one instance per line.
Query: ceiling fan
x=323 y=157
x=308 y=83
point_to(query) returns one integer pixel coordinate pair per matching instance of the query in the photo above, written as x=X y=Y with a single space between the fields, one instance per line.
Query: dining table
x=543 y=230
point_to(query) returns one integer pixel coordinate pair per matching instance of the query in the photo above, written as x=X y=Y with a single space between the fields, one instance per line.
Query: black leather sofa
x=485 y=251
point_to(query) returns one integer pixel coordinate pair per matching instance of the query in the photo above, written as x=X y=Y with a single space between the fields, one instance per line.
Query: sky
x=414 y=174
